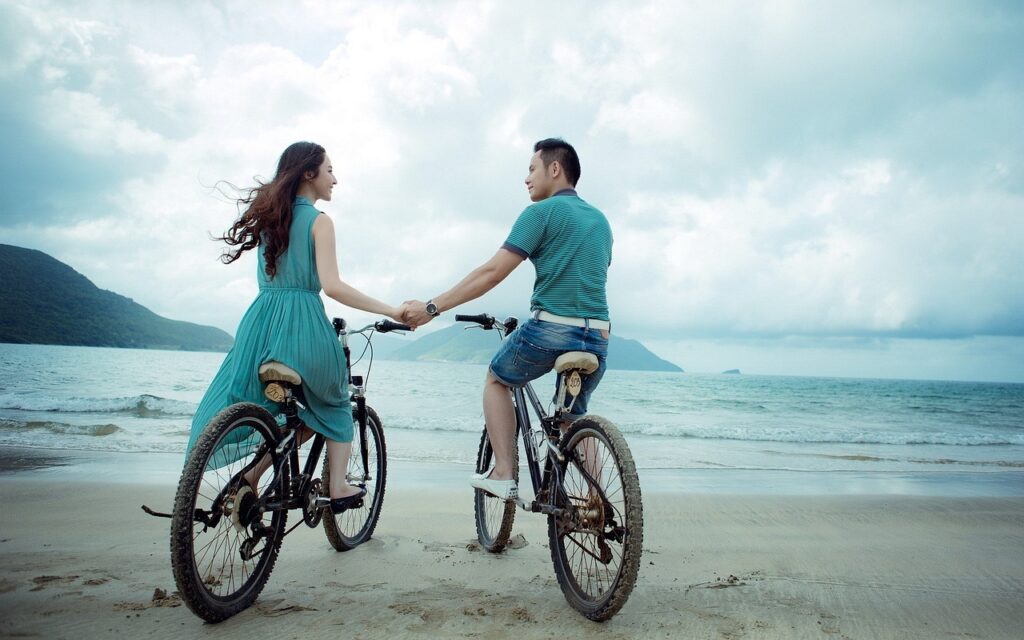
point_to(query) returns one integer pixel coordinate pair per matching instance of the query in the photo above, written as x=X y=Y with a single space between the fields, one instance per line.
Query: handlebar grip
x=384 y=326
x=482 y=319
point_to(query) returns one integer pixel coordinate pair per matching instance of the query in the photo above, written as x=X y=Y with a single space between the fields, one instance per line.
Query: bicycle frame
x=549 y=432
x=301 y=482
x=549 y=435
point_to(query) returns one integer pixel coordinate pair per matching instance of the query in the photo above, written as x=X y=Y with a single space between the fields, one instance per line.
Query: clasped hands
x=414 y=313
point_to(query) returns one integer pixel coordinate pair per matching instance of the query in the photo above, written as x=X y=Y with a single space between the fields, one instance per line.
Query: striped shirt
x=569 y=243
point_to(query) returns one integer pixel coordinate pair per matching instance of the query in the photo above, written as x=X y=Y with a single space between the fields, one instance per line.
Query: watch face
x=431 y=308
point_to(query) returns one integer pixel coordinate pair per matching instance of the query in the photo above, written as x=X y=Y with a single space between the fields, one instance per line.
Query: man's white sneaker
x=501 y=489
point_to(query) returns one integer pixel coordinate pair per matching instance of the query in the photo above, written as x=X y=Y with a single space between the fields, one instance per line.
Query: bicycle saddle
x=277 y=372
x=585 y=362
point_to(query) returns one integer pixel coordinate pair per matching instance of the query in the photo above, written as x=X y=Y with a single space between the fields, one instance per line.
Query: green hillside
x=459 y=344
x=47 y=302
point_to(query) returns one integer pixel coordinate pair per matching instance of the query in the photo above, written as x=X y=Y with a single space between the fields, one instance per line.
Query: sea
x=702 y=433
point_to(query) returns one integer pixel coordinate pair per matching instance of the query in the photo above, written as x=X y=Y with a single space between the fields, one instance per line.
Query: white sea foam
x=143 y=405
x=431 y=412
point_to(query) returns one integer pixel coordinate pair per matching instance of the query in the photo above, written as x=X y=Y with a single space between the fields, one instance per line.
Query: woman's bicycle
x=587 y=487
x=225 y=533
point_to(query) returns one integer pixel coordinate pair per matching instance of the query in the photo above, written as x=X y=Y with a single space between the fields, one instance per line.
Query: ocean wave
x=60 y=428
x=755 y=433
x=143 y=406
x=824 y=436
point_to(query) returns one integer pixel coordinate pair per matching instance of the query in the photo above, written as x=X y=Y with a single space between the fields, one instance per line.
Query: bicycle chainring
x=312 y=509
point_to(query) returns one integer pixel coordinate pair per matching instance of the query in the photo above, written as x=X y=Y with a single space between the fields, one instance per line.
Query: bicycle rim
x=221 y=565
x=353 y=527
x=597 y=542
x=494 y=517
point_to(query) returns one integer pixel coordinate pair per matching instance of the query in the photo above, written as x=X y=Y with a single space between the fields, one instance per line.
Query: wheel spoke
x=212 y=576
x=494 y=517
x=596 y=565
x=351 y=528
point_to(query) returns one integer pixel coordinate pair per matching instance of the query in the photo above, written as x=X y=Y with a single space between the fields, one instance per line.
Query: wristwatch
x=432 y=309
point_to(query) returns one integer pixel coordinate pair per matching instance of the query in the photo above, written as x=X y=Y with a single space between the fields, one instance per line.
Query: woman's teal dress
x=287 y=323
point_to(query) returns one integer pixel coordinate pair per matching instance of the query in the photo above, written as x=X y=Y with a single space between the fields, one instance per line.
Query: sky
x=794 y=188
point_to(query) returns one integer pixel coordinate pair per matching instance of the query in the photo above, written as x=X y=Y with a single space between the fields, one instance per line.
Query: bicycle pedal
x=322 y=502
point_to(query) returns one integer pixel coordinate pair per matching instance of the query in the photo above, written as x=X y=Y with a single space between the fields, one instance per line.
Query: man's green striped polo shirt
x=569 y=243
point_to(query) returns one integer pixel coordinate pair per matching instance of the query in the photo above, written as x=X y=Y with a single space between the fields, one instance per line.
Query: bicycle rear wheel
x=223 y=542
x=494 y=517
x=353 y=527
x=597 y=541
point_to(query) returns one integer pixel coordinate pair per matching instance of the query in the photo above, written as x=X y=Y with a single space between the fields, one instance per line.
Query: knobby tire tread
x=480 y=499
x=187 y=579
x=608 y=606
x=341 y=542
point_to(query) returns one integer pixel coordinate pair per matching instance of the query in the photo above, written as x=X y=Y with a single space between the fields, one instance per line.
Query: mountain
x=461 y=344
x=47 y=302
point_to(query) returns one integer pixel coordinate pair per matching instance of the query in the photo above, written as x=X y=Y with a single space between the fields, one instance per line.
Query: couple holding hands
x=568 y=240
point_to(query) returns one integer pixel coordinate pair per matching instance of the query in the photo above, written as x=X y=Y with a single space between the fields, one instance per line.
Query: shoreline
x=164 y=469
x=81 y=560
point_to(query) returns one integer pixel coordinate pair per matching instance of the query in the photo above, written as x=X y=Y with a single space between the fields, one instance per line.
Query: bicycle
x=588 y=488
x=226 y=534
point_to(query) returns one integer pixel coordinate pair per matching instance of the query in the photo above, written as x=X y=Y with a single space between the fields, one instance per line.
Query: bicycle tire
x=494 y=517
x=348 y=530
x=213 y=577
x=596 y=571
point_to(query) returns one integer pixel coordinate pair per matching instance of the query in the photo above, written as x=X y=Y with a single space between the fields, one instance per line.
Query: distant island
x=732 y=372
x=461 y=344
x=47 y=302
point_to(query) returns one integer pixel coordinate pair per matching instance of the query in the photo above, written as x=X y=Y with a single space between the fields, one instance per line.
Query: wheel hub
x=244 y=508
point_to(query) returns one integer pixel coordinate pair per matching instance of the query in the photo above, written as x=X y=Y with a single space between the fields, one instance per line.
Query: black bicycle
x=226 y=533
x=588 y=488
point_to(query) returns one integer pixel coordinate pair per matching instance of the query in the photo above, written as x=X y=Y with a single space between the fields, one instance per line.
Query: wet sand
x=81 y=560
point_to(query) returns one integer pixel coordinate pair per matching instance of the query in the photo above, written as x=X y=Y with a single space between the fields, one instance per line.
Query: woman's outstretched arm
x=327 y=269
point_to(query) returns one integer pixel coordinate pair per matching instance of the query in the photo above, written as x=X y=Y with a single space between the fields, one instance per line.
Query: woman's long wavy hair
x=267 y=218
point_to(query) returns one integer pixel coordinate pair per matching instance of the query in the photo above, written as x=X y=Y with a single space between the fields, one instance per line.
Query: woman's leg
x=338 y=454
x=252 y=476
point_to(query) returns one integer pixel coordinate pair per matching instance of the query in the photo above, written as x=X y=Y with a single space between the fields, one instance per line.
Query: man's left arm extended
x=478 y=282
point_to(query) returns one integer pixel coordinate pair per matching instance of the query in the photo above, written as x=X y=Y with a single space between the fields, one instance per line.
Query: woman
x=287 y=322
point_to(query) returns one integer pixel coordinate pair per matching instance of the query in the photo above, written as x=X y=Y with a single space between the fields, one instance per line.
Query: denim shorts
x=531 y=350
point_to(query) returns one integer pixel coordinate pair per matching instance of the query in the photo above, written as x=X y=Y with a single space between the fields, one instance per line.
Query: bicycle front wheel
x=224 y=541
x=353 y=527
x=494 y=517
x=597 y=539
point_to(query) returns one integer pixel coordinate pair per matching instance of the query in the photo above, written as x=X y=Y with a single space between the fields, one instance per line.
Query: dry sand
x=83 y=561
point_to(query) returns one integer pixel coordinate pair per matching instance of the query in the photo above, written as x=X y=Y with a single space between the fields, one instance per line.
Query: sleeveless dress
x=287 y=323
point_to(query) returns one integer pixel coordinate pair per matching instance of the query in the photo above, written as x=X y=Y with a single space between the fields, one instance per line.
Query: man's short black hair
x=552 y=149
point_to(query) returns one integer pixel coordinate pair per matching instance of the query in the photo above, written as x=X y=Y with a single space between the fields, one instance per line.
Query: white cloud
x=649 y=118
x=794 y=169
x=95 y=128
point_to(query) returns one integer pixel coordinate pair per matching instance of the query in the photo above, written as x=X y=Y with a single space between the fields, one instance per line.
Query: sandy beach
x=81 y=560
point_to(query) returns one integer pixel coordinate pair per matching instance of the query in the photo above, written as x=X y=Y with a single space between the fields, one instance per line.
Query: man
x=570 y=245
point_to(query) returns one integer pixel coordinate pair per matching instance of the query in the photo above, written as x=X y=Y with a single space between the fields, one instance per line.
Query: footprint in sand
x=43 y=582
x=160 y=599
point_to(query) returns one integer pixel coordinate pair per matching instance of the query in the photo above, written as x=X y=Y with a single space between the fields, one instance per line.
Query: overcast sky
x=818 y=188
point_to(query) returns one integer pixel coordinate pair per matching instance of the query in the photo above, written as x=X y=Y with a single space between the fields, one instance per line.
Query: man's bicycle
x=584 y=480
x=226 y=533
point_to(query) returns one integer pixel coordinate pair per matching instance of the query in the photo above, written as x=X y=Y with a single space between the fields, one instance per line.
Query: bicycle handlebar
x=482 y=319
x=381 y=326
x=488 y=321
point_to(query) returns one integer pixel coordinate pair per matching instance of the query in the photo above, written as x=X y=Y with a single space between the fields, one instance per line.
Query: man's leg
x=500 y=419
